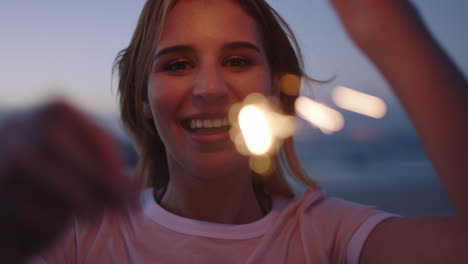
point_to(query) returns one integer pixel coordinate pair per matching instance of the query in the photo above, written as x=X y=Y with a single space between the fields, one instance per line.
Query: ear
x=147 y=110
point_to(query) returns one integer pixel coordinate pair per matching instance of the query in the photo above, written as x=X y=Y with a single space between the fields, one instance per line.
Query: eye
x=238 y=62
x=176 y=66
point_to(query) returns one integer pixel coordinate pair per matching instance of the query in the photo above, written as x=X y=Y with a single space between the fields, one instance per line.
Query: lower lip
x=213 y=138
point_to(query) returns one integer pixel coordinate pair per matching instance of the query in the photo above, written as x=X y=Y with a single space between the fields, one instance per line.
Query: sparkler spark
x=261 y=164
x=255 y=129
x=290 y=84
x=359 y=102
x=320 y=115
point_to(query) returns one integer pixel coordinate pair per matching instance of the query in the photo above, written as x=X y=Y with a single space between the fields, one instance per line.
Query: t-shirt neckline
x=208 y=229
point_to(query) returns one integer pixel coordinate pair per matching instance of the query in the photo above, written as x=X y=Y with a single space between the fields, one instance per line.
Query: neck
x=226 y=199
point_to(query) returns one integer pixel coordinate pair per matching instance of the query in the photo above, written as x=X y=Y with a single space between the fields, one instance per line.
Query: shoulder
x=317 y=204
x=328 y=214
x=341 y=226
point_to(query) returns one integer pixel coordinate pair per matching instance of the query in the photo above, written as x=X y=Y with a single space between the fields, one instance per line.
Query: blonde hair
x=134 y=63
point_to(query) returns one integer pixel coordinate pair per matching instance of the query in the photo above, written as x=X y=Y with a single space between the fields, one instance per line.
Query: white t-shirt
x=309 y=229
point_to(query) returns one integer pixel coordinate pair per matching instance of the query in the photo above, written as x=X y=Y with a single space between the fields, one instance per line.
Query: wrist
x=373 y=22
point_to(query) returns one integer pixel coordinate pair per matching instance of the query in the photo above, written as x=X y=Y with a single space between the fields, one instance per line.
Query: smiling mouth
x=207 y=126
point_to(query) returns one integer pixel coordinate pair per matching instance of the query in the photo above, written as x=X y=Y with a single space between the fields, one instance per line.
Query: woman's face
x=210 y=56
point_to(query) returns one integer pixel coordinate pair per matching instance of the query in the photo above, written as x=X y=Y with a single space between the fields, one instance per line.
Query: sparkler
x=258 y=127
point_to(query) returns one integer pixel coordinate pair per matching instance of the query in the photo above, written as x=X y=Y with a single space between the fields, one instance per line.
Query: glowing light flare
x=281 y=126
x=255 y=129
x=238 y=140
x=359 y=102
x=325 y=118
x=290 y=84
x=262 y=165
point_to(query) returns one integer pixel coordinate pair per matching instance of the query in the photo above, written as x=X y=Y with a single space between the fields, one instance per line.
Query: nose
x=210 y=87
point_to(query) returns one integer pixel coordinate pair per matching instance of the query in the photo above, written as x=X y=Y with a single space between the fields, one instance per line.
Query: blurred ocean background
x=66 y=48
x=374 y=163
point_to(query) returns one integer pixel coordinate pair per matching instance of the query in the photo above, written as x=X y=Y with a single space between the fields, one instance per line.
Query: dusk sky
x=67 y=47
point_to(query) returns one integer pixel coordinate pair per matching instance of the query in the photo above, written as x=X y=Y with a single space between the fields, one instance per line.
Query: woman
x=187 y=63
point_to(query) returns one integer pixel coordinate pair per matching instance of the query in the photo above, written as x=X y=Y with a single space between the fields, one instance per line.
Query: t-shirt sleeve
x=359 y=237
x=342 y=227
x=353 y=223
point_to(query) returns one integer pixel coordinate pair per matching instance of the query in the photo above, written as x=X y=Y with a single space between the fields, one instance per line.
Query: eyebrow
x=174 y=49
x=241 y=45
x=189 y=48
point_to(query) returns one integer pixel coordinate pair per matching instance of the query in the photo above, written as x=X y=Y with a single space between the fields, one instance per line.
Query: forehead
x=208 y=22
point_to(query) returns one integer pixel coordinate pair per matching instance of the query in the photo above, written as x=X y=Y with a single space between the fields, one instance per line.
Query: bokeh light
x=290 y=84
x=281 y=126
x=257 y=126
x=262 y=165
x=359 y=102
x=325 y=118
x=255 y=129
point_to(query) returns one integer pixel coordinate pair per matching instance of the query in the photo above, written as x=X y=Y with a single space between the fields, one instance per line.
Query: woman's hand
x=367 y=21
x=54 y=162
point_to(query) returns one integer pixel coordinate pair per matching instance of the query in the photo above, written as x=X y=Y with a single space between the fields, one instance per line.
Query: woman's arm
x=435 y=96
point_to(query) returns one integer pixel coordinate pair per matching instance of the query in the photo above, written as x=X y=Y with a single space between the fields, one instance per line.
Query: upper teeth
x=208 y=123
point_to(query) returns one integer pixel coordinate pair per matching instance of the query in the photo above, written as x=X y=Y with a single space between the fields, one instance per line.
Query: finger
x=57 y=180
x=76 y=132
x=108 y=179
x=98 y=140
